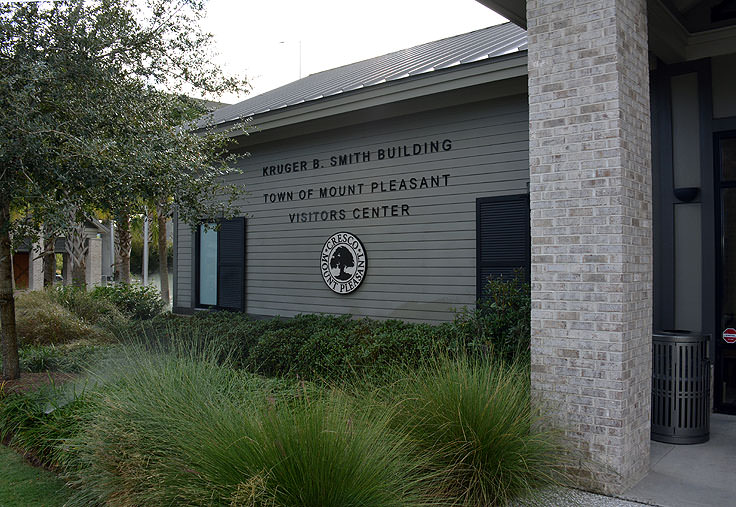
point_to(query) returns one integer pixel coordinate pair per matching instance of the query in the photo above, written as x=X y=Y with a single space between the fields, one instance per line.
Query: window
x=502 y=237
x=220 y=280
x=207 y=265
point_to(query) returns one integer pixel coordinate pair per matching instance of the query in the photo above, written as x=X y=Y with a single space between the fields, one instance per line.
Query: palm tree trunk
x=77 y=245
x=11 y=365
x=162 y=254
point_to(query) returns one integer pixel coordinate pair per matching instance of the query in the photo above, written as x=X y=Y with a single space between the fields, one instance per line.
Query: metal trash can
x=680 y=387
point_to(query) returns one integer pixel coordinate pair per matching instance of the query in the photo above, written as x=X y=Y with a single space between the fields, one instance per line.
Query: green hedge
x=307 y=346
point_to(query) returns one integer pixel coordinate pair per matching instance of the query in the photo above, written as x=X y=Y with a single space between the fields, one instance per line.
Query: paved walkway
x=699 y=475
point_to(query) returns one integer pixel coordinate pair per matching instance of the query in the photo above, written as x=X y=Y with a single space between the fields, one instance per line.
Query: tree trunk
x=11 y=365
x=77 y=246
x=49 y=261
x=163 y=261
x=124 y=241
x=79 y=274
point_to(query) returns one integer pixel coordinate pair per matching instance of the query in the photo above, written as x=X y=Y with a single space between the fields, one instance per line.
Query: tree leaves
x=84 y=123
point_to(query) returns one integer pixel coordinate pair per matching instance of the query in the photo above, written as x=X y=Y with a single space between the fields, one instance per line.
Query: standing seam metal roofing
x=457 y=50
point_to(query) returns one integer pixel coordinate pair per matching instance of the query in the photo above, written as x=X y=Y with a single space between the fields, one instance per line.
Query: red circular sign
x=729 y=335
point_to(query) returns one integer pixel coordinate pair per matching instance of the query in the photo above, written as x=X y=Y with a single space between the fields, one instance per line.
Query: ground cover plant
x=38 y=422
x=71 y=357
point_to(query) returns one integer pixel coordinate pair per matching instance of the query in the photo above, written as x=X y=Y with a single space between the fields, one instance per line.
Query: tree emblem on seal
x=343 y=262
x=341 y=259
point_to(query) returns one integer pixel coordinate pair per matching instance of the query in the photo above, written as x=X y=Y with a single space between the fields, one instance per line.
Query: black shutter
x=503 y=238
x=231 y=269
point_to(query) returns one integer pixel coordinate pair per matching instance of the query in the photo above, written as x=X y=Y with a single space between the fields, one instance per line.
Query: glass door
x=725 y=340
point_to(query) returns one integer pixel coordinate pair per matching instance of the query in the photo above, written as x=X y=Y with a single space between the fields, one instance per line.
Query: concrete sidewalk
x=696 y=475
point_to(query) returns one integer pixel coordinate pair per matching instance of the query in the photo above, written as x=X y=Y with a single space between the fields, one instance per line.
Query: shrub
x=173 y=423
x=93 y=310
x=135 y=301
x=472 y=418
x=42 y=321
x=309 y=347
x=281 y=349
x=232 y=334
x=501 y=322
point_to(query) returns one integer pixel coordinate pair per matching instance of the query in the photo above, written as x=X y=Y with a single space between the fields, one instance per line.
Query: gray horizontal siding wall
x=184 y=280
x=421 y=266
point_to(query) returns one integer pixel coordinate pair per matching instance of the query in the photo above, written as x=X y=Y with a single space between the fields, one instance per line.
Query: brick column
x=590 y=158
x=35 y=267
x=94 y=263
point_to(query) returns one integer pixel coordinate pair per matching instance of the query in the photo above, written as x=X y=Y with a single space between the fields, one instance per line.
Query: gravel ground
x=577 y=498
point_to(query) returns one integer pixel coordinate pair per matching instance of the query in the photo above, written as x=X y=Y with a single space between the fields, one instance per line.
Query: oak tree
x=88 y=90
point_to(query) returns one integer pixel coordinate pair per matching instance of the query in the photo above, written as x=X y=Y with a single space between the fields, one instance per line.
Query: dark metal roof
x=461 y=49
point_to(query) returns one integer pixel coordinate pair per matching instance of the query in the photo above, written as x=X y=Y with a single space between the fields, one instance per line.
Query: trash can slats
x=680 y=387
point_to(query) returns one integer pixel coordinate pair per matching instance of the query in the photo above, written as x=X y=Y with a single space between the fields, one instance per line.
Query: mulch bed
x=33 y=381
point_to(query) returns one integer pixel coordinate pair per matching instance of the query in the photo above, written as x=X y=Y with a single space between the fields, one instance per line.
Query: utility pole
x=112 y=249
x=145 y=247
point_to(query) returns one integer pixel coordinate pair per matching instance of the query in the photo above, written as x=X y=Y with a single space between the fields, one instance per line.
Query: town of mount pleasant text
x=359 y=157
x=372 y=211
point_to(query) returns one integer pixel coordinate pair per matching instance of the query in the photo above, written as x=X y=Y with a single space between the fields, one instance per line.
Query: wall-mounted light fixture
x=687 y=194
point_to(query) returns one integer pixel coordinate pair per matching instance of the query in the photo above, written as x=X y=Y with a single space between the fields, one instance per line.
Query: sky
x=263 y=39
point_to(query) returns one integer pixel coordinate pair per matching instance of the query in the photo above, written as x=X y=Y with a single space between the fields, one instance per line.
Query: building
x=28 y=264
x=613 y=121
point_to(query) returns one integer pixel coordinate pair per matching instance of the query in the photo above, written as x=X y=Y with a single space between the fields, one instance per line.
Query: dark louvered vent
x=502 y=237
x=231 y=269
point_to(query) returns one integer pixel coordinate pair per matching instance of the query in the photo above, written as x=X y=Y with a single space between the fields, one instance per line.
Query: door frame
x=720 y=185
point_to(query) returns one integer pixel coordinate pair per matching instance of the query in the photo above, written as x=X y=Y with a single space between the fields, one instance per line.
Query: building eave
x=455 y=78
x=513 y=10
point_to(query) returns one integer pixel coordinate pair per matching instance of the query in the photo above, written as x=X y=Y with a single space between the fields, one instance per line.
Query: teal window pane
x=207 y=265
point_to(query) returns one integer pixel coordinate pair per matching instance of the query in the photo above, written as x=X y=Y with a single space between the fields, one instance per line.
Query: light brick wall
x=590 y=157
x=94 y=263
x=35 y=267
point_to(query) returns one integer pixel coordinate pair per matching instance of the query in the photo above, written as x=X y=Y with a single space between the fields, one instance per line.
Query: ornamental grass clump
x=308 y=452
x=179 y=427
x=40 y=320
x=472 y=418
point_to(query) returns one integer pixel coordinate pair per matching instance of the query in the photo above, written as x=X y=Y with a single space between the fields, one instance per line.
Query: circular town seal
x=343 y=262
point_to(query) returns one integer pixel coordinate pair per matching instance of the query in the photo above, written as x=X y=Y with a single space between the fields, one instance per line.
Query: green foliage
x=40 y=422
x=93 y=310
x=136 y=256
x=86 y=128
x=501 y=320
x=307 y=346
x=68 y=358
x=135 y=301
x=472 y=418
x=178 y=428
x=136 y=251
x=172 y=422
x=42 y=321
x=22 y=484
